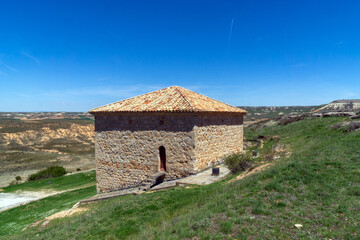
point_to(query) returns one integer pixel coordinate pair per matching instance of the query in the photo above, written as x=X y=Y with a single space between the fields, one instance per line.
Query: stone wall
x=127 y=145
x=216 y=136
x=127 y=148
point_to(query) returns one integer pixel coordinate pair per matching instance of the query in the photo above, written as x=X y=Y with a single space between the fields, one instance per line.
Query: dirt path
x=252 y=171
x=18 y=198
x=65 y=213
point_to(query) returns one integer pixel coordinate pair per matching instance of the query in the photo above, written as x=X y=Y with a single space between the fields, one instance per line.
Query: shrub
x=238 y=162
x=53 y=171
x=280 y=204
x=18 y=178
x=347 y=126
x=291 y=118
x=78 y=169
x=354 y=125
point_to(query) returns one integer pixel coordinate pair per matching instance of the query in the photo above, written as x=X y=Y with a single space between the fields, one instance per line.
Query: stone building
x=172 y=129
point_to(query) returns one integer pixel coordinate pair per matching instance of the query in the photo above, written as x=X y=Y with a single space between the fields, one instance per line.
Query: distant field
x=256 y=113
x=45 y=115
x=33 y=141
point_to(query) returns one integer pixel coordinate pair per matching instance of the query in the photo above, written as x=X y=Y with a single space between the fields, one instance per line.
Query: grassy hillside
x=14 y=220
x=66 y=182
x=318 y=186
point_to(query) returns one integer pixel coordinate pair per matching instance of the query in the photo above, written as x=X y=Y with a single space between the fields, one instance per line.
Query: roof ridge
x=177 y=88
x=208 y=98
x=129 y=98
x=170 y=99
x=218 y=101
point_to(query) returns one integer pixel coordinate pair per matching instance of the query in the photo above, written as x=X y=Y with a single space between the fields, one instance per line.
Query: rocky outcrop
x=339 y=108
x=346 y=106
x=36 y=139
x=338 y=114
x=356 y=116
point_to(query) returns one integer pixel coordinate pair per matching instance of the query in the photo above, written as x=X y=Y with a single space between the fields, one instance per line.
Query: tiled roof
x=171 y=99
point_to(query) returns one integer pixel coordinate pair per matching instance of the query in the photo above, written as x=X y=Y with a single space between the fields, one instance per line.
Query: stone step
x=144 y=188
x=157 y=174
x=148 y=183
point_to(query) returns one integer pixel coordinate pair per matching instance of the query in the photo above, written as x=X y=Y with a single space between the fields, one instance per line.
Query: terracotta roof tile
x=171 y=99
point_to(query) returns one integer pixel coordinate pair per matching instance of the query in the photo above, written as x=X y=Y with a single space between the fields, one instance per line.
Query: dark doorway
x=162 y=154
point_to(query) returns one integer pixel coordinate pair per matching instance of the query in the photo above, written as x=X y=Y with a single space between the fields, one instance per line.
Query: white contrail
x=228 y=45
x=30 y=56
x=231 y=27
x=229 y=37
x=8 y=67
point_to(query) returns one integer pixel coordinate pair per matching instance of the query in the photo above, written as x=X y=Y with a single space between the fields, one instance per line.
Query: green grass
x=14 y=220
x=318 y=187
x=58 y=184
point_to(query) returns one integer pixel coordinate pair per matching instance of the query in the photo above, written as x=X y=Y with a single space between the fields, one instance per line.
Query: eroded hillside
x=345 y=105
x=36 y=139
x=29 y=145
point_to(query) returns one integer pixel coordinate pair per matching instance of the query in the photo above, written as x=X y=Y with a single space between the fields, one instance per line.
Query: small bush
x=18 y=178
x=238 y=162
x=53 y=171
x=347 y=126
x=291 y=118
x=280 y=204
x=78 y=169
x=353 y=126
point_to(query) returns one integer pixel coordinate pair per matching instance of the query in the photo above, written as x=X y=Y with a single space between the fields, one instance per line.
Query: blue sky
x=76 y=55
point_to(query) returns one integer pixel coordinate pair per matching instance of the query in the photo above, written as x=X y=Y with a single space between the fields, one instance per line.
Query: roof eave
x=146 y=112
